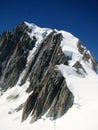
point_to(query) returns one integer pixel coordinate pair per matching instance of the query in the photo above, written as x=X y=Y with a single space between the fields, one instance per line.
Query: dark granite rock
x=14 y=49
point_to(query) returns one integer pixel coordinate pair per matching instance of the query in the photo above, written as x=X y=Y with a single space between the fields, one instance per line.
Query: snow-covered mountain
x=48 y=81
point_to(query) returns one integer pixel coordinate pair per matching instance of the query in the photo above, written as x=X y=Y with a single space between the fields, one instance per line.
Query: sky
x=79 y=17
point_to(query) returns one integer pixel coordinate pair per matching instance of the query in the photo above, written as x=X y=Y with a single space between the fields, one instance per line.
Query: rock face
x=31 y=54
x=48 y=85
x=14 y=49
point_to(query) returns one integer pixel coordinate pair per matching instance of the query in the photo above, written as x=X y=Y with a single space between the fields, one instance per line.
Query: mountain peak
x=46 y=74
x=31 y=25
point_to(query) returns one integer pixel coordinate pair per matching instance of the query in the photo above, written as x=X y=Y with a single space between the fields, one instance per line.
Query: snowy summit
x=48 y=81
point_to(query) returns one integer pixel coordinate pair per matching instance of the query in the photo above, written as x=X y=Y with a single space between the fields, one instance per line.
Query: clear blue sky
x=80 y=17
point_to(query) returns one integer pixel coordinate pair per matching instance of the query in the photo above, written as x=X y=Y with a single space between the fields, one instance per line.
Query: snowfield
x=83 y=115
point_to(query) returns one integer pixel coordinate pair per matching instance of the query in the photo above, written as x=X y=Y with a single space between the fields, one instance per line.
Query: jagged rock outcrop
x=49 y=87
x=87 y=55
x=47 y=83
x=14 y=49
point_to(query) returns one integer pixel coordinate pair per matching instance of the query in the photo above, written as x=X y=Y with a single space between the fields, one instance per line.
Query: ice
x=67 y=70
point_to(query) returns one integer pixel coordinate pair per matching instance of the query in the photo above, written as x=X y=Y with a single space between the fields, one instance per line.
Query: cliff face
x=30 y=57
x=14 y=49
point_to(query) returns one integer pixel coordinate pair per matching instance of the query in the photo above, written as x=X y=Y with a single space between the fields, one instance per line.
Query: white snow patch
x=69 y=70
x=69 y=47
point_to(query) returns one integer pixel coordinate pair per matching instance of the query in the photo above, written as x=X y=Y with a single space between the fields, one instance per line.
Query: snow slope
x=82 y=116
x=84 y=112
